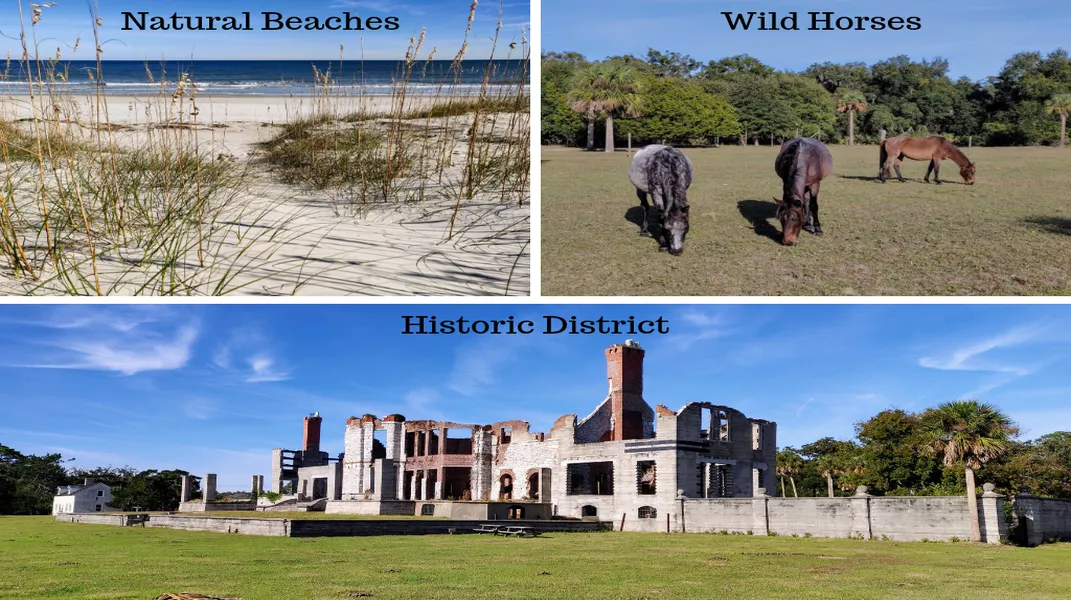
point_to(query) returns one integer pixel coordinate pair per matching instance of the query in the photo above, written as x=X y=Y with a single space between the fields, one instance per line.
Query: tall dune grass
x=82 y=212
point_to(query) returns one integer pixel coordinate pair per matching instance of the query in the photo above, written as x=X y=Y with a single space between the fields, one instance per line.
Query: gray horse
x=801 y=164
x=665 y=173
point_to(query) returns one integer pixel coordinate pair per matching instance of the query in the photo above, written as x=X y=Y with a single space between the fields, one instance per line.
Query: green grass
x=1010 y=234
x=44 y=559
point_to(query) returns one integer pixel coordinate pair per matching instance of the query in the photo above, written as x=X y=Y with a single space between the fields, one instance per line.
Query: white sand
x=300 y=242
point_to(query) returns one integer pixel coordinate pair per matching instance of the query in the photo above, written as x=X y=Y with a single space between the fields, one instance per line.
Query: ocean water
x=279 y=77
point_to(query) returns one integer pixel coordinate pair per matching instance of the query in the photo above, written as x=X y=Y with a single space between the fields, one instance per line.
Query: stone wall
x=243 y=525
x=370 y=507
x=907 y=518
x=125 y=520
x=1037 y=520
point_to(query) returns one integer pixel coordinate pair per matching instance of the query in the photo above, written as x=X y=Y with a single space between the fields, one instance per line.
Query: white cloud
x=971 y=356
x=263 y=368
x=127 y=352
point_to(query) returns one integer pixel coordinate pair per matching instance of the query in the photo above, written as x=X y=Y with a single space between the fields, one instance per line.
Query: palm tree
x=603 y=90
x=827 y=467
x=968 y=433
x=851 y=102
x=789 y=464
x=1060 y=105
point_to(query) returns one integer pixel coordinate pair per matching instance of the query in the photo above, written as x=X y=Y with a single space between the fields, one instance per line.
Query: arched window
x=589 y=511
x=647 y=512
x=505 y=489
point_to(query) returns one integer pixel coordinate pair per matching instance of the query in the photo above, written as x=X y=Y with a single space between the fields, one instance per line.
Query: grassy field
x=1009 y=234
x=40 y=558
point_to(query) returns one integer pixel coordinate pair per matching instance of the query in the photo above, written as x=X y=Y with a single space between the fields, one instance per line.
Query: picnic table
x=507 y=530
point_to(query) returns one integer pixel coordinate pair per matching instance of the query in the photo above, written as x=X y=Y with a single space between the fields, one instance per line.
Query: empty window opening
x=456 y=483
x=715 y=481
x=379 y=444
x=722 y=422
x=100 y=493
x=407 y=486
x=645 y=477
x=515 y=512
x=505 y=487
x=756 y=436
x=319 y=488
x=533 y=486
x=410 y=443
x=433 y=442
x=589 y=511
x=506 y=435
x=429 y=483
x=595 y=478
x=100 y=508
x=427 y=510
x=459 y=445
x=647 y=512
x=704 y=423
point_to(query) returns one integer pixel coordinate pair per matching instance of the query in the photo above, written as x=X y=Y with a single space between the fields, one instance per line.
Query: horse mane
x=669 y=170
x=956 y=154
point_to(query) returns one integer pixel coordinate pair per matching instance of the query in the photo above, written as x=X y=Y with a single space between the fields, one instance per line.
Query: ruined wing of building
x=92 y=496
x=624 y=458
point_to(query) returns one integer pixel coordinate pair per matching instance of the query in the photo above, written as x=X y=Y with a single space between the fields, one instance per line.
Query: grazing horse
x=801 y=164
x=665 y=173
x=934 y=149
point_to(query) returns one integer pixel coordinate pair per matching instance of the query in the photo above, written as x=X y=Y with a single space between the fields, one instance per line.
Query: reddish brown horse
x=934 y=149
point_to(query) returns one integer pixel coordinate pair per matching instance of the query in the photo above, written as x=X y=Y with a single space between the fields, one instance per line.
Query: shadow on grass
x=634 y=215
x=1057 y=225
x=863 y=178
x=759 y=213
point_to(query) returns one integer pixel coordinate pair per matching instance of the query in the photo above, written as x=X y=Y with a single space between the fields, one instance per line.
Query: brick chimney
x=311 y=442
x=624 y=369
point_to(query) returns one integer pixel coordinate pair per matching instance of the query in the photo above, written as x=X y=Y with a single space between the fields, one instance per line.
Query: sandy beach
x=276 y=237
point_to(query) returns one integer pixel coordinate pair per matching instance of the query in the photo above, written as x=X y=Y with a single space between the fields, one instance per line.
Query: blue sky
x=976 y=36
x=215 y=388
x=446 y=20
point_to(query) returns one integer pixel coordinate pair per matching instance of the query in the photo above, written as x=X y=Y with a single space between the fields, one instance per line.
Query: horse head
x=676 y=227
x=792 y=212
x=967 y=173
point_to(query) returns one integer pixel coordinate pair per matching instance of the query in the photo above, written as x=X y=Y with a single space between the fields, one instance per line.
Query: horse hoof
x=645 y=233
x=818 y=231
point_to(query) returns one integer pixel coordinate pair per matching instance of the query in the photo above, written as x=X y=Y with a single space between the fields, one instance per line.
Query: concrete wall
x=370 y=507
x=1038 y=520
x=101 y=519
x=243 y=525
x=197 y=506
x=331 y=528
x=908 y=518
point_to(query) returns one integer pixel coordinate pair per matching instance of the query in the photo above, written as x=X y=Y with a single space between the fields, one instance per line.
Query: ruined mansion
x=625 y=458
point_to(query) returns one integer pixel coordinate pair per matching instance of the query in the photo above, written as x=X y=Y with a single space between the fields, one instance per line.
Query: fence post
x=861 y=512
x=994 y=527
x=630 y=144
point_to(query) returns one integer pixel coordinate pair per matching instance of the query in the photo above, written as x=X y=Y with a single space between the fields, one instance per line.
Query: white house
x=90 y=497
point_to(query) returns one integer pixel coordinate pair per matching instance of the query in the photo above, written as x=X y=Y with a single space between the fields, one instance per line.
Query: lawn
x=40 y=558
x=1009 y=234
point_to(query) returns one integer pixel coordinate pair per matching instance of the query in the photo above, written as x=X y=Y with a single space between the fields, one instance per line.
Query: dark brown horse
x=934 y=149
x=801 y=164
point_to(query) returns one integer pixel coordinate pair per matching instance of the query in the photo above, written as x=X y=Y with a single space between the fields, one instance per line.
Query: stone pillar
x=385 y=485
x=254 y=487
x=187 y=488
x=480 y=476
x=413 y=486
x=209 y=485
x=277 y=470
x=759 y=514
x=991 y=518
x=860 y=504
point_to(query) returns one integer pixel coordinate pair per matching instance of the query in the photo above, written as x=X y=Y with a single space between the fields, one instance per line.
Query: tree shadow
x=759 y=213
x=1057 y=225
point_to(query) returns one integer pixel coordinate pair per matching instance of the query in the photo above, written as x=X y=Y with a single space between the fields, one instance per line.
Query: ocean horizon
x=274 y=77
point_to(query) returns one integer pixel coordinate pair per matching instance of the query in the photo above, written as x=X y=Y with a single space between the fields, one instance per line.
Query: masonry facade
x=624 y=458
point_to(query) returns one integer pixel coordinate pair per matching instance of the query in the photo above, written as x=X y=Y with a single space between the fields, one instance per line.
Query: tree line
x=940 y=451
x=28 y=484
x=669 y=97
